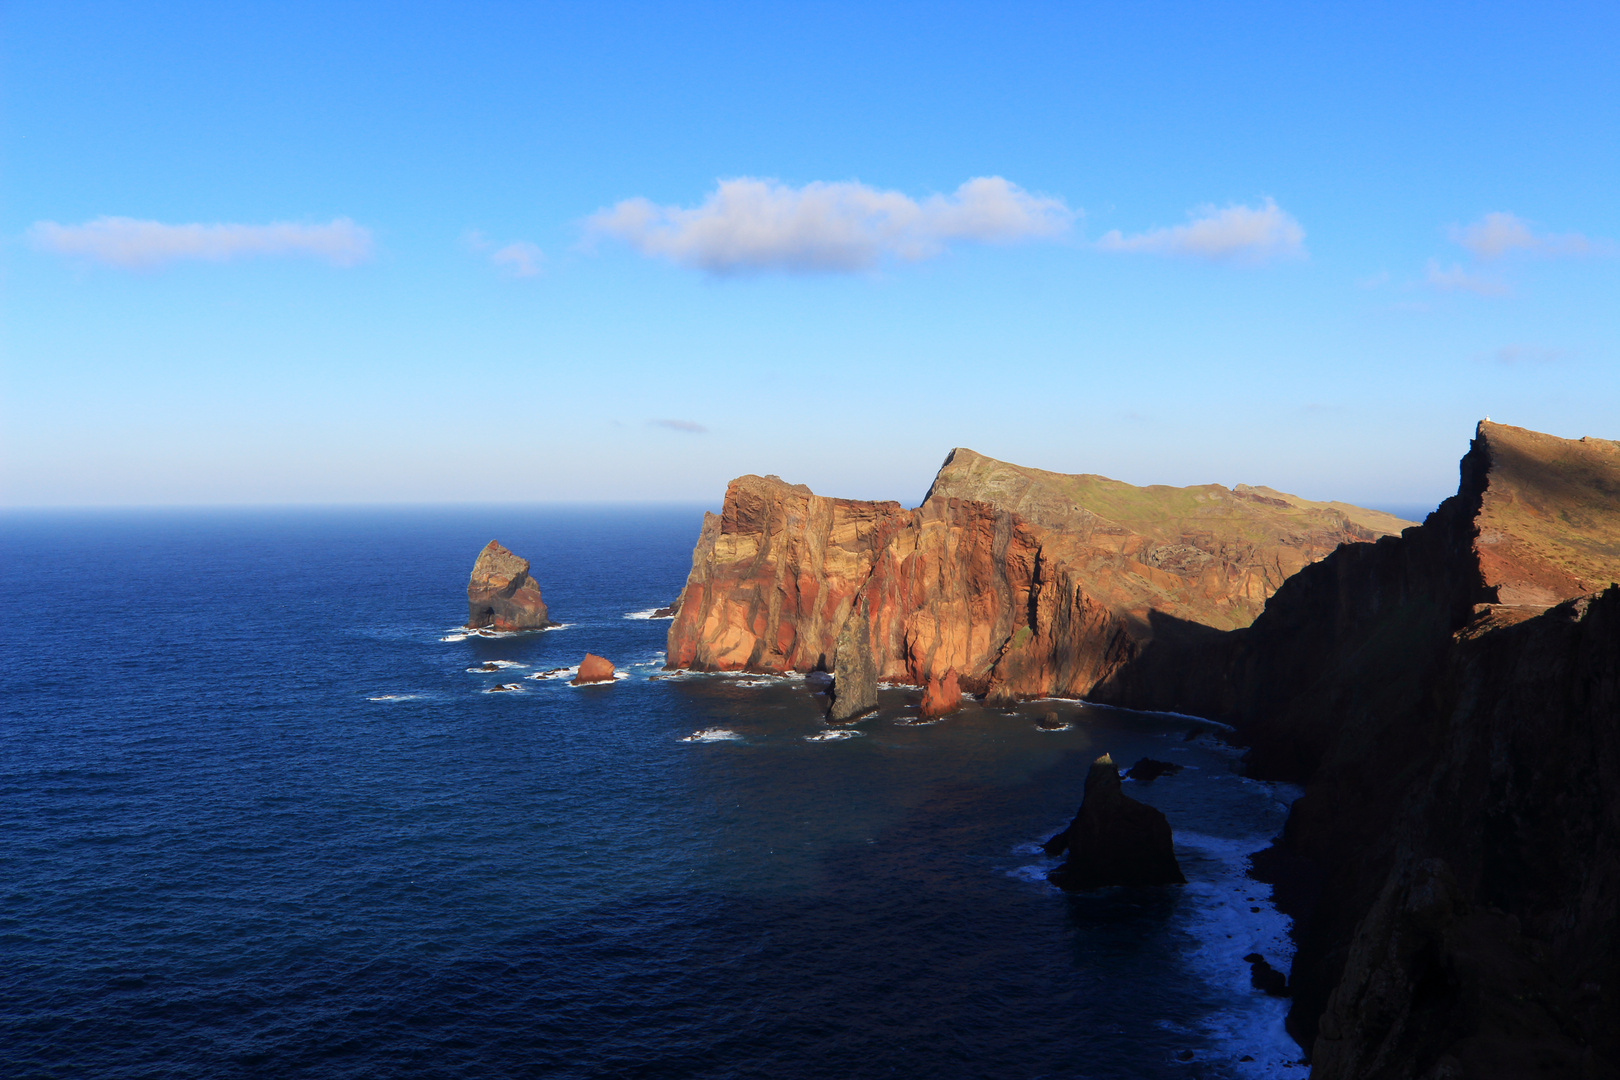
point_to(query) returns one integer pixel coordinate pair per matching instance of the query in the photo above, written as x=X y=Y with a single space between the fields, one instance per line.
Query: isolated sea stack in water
x=941 y=696
x=854 y=689
x=1114 y=840
x=502 y=595
x=594 y=669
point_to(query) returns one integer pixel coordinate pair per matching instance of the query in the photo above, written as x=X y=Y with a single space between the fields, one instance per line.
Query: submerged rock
x=502 y=595
x=854 y=688
x=1114 y=840
x=594 y=669
x=1149 y=769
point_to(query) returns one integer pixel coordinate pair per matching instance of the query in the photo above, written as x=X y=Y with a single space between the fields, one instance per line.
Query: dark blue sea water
x=257 y=818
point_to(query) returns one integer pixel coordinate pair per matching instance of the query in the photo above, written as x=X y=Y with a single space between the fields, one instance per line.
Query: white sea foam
x=504 y=688
x=397 y=697
x=834 y=735
x=500 y=665
x=1034 y=873
x=618 y=676
x=713 y=734
x=1231 y=917
x=650 y=613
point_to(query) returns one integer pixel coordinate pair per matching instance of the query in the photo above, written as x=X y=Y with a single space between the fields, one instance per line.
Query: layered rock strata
x=1014 y=579
x=1114 y=840
x=1451 y=700
x=501 y=594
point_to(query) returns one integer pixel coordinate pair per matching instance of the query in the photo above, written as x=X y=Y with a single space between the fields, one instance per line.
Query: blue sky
x=428 y=253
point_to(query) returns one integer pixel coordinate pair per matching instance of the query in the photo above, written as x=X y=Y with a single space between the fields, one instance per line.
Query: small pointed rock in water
x=941 y=696
x=1051 y=722
x=594 y=669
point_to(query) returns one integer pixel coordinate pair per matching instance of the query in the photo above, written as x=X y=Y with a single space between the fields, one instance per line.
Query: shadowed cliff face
x=1011 y=578
x=1451 y=867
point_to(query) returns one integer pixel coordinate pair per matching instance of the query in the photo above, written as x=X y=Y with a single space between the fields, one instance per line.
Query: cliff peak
x=1547 y=523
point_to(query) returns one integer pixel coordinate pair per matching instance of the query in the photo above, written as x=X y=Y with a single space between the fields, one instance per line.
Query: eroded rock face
x=1114 y=840
x=1001 y=575
x=594 y=669
x=774 y=576
x=502 y=595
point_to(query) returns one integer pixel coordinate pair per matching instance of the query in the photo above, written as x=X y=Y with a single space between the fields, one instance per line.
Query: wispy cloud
x=1498 y=234
x=1242 y=234
x=750 y=225
x=131 y=244
x=691 y=427
x=1512 y=355
x=519 y=259
x=1456 y=279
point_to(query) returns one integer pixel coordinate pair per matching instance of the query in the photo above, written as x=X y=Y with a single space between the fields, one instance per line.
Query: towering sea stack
x=1451 y=700
x=1114 y=840
x=1021 y=582
x=501 y=594
x=854 y=689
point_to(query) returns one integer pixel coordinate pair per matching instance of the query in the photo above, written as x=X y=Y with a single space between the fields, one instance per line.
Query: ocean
x=259 y=816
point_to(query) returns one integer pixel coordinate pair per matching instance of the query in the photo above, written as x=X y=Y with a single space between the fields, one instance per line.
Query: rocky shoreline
x=1449 y=697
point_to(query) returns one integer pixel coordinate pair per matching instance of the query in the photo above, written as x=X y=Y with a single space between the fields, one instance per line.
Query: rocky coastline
x=1450 y=700
x=1447 y=694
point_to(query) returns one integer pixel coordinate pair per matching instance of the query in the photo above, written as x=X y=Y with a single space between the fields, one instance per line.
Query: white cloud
x=1456 y=279
x=1245 y=234
x=132 y=244
x=520 y=259
x=1498 y=234
x=748 y=224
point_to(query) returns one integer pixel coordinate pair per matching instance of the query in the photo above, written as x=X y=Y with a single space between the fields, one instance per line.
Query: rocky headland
x=1015 y=582
x=501 y=595
x=1450 y=699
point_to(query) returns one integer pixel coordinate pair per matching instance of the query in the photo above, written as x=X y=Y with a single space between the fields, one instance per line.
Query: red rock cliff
x=1012 y=578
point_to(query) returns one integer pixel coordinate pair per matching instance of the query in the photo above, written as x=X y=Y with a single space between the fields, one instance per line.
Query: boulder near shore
x=594 y=669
